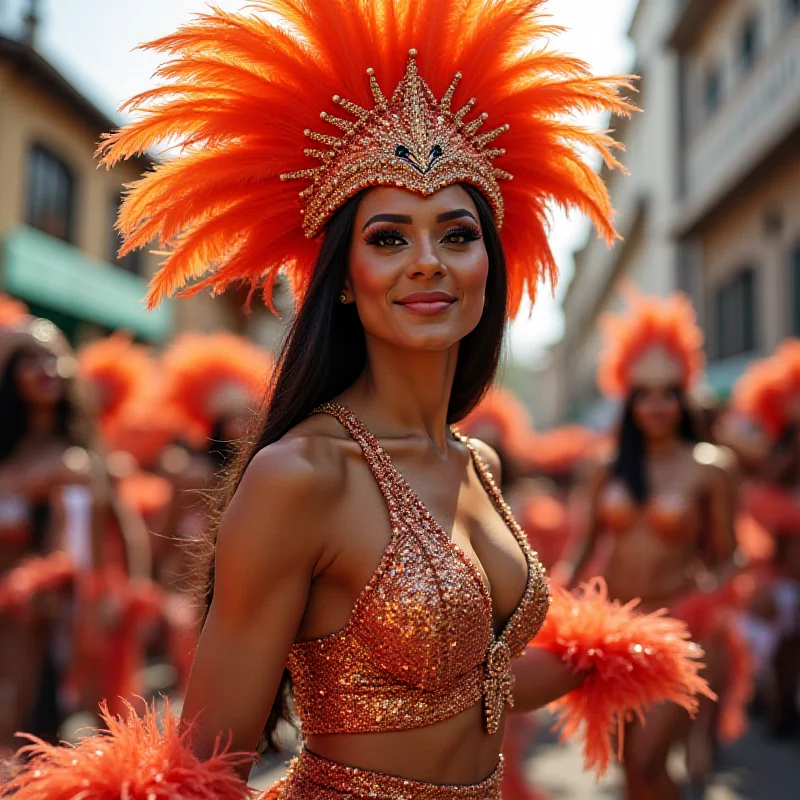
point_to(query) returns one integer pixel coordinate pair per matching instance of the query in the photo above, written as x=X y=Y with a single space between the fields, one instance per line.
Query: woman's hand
x=541 y=677
x=268 y=546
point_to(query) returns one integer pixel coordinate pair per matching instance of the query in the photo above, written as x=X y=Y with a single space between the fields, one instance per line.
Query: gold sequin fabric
x=418 y=647
x=310 y=777
x=413 y=141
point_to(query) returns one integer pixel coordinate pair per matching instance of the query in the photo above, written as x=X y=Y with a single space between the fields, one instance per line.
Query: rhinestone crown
x=413 y=141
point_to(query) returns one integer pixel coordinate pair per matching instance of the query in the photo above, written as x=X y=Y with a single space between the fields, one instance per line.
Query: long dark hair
x=14 y=412
x=630 y=465
x=325 y=352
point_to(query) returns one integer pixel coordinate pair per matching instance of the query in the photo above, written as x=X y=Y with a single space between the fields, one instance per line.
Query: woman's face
x=418 y=267
x=38 y=381
x=657 y=411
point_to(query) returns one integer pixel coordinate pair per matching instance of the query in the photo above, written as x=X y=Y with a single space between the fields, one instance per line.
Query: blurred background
x=711 y=208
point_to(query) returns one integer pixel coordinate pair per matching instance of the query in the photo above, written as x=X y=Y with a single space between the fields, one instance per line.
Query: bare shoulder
x=280 y=506
x=489 y=455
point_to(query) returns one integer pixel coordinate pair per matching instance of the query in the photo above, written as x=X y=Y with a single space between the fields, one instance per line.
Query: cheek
x=372 y=276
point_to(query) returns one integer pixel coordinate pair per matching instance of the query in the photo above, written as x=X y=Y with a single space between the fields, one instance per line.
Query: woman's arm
x=268 y=547
x=721 y=506
x=593 y=530
x=541 y=677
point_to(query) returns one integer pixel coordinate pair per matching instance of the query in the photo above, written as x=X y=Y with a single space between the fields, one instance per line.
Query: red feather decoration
x=633 y=661
x=135 y=759
x=650 y=322
x=33 y=577
x=238 y=90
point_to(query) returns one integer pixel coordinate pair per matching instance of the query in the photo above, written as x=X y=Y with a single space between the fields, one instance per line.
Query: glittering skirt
x=310 y=777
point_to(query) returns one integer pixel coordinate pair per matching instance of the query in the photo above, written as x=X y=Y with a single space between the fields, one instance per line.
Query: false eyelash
x=471 y=233
x=377 y=235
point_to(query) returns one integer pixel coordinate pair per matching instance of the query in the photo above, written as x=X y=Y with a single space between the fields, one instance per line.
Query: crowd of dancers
x=108 y=457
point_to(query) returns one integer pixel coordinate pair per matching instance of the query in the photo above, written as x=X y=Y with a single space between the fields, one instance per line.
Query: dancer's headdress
x=503 y=419
x=403 y=88
x=13 y=313
x=559 y=451
x=657 y=340
x=208 y=374
x=118 y=373
x=769 y=388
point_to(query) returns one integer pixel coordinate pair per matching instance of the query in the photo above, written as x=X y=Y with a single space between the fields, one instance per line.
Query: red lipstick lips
x=427 y=303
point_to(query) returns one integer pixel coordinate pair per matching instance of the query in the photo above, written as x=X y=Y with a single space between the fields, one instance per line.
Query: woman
x=366 y=544
x=669 y=511
x=767 y=399
x=46 y=490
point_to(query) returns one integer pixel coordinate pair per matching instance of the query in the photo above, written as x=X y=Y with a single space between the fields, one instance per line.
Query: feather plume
x=238 y=90
x=650 y=322
x=769 y=387
x=199 y=369
x=135 y=759
x=632 y=660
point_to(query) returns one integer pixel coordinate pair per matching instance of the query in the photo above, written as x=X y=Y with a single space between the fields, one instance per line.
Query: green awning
x=722 y=375
x=45 y=271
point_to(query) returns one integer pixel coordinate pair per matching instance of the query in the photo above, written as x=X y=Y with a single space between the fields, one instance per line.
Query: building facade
x=712 y=204
x=737 y=214
x=646 y=255
x=58 y=246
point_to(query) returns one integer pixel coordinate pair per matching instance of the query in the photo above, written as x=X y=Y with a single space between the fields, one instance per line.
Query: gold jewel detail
x=498 y=684
x=412 y=141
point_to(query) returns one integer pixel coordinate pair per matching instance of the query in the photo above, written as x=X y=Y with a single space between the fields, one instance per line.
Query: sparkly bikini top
x=419 y=646
x=670 y=516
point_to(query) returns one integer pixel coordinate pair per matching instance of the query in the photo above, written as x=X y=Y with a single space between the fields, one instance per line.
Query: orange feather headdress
x=203 y=371
x=118 y=373
x=770 y=387
x=657 y=338
x=560 y=450
x=242 y=97
x=503 y=420
x=12 y=312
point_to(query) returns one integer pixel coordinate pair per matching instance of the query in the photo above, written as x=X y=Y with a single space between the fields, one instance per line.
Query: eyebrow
x=455 y=214
x=405 y=219
x=398 y=219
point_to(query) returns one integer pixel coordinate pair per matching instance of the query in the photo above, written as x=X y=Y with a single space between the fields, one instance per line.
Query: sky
x=93 y=43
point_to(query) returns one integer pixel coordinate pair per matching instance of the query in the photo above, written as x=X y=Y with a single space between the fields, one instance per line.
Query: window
x=712 y=91
x=51 y=194
x=736 y=323
x=794 y=267
x=132 y=262
x=748 y=44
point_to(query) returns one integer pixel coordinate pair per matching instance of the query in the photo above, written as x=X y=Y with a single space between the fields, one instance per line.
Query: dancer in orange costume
x=51 y=499
x=364 y=543
x=503 y=422
x=657 y=498
x=768 y=395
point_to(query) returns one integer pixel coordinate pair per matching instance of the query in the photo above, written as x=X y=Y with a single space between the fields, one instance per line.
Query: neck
x=407 y=392
x=662 y=446
x=41 y=422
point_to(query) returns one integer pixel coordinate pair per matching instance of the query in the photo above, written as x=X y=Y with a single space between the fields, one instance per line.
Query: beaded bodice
x=419 y=646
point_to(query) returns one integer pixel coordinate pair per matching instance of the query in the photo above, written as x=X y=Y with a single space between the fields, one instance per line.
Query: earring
x=343 y=297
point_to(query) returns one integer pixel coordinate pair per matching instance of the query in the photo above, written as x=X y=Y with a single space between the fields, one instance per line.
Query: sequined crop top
x=419 y=646
x=668 y=515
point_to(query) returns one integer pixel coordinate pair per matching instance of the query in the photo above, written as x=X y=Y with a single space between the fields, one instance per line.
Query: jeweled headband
x=242 y=95
x=412 y=141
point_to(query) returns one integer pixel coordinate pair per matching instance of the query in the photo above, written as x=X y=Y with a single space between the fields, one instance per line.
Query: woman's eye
x=385 y=239
x=461 y=236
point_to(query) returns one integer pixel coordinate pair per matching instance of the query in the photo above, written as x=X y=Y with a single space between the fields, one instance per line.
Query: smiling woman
x=364 y=561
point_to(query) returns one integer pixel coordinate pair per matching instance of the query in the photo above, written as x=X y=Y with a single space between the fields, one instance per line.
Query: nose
x=427 y=264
